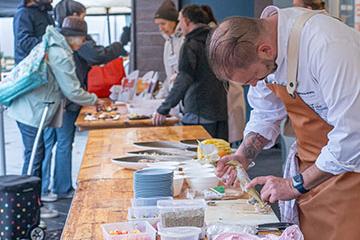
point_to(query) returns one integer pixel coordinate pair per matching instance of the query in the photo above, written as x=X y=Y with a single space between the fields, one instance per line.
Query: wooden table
x=104 y=189
x=123 y=122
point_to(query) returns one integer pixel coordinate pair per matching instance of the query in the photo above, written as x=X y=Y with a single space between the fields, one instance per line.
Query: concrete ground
x=267 y=163
x=14 y=161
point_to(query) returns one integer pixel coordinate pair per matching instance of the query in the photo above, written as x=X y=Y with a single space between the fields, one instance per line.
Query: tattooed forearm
x=252 y=145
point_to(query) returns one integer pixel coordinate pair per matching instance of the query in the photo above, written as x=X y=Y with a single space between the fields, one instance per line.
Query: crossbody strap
x=293 y=49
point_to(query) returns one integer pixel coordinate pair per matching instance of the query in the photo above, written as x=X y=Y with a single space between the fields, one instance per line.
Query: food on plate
x=90 y=117
x=102 y=116
x=135 y=116
x=109 y=108
x=147 y=161
x=210 y=150
x=124 y=232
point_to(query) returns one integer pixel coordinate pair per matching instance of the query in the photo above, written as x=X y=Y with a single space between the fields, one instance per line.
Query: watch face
x=297 y=180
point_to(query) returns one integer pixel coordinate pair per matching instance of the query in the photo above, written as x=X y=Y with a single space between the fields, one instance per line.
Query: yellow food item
x=221 y=145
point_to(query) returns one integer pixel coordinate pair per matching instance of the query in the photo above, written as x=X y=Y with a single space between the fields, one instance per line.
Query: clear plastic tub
x=142 y=202
x=149 y=214
x=145 y=231
x=180 y=233
x=180 y=213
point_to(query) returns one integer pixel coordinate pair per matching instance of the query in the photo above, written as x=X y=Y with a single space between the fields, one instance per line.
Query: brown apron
x=331 y=210
x=236 y=112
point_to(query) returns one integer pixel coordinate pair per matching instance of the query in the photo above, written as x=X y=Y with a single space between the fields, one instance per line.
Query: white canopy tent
x=101 y=6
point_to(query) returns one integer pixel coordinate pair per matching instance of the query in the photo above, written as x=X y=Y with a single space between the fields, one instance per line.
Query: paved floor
x=14 y=160
x=267 y=163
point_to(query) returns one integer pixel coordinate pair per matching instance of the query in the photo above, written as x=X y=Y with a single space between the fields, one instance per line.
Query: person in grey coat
x=62 y=83
x=87 y=55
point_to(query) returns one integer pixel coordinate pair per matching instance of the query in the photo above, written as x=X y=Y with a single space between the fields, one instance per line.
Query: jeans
x=64 y=138
x=28 y=134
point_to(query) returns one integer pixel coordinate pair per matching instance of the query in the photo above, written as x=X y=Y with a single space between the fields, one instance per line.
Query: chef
x=314 y=60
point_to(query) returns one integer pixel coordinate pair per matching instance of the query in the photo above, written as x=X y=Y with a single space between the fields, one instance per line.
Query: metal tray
x=133 y=162
x=166 y=144
x=165 y=154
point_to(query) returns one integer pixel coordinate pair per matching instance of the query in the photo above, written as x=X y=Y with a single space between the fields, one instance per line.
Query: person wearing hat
x=166 y=17
x=310 y=4
x=85 y=57
x=62 y=82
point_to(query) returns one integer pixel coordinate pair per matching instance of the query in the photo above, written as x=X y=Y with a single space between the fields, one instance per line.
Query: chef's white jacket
x=328 y=81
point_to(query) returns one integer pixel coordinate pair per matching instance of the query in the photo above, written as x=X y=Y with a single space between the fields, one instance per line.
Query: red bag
x=102 y=78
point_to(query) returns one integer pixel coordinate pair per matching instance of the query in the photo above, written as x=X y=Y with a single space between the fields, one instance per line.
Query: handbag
x=29 y=74
x=102 y=78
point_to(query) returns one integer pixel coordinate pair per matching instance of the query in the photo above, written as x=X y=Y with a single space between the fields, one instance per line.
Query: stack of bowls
x=153 y=183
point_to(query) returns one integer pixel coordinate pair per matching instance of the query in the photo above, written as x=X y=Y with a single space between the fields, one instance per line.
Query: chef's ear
x=265 y=51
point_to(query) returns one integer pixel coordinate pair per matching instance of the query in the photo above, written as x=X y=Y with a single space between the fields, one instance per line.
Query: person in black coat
x=29 y=25
x=203 y=95
x=88 y=55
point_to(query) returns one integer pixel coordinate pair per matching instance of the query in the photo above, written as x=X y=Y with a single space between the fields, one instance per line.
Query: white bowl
x=199 y=172
x=201 y=183
x=178 y=184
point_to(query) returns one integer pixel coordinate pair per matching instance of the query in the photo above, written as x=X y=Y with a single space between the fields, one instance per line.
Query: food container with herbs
x=179 y=213
x=140 y=230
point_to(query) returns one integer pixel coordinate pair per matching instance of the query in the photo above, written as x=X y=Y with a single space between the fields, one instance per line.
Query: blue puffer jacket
x=29 y=26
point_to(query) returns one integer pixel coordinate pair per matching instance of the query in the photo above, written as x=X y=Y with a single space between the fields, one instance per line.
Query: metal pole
x=108 y=23
x=2 y=134
x=2 y=143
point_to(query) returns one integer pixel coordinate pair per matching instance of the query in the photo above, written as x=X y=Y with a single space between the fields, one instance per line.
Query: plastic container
x=179 y=213
x=145 y=212
x=142 y=202
x=149 y=214
x=146 y=231
x=180 y=233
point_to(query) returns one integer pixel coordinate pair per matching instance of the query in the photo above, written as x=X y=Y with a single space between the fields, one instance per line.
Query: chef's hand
x=275 y=188
x=158 y=119
x=227 y=172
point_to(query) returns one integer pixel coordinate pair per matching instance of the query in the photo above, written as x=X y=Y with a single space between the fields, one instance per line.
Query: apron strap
x=293 y=49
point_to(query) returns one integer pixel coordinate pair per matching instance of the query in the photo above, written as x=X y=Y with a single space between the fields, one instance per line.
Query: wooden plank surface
x=123 y=122
x=104 y=189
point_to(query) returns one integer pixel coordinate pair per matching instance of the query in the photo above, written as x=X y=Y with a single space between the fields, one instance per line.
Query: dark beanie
x=73 y=26
x=67 y=8
x=167 y=11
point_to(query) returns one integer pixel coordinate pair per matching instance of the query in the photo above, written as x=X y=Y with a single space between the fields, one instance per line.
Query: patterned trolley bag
x=20 y=199
x=19 y=206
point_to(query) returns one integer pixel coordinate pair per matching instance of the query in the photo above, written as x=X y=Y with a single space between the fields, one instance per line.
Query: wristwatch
x=298 y=183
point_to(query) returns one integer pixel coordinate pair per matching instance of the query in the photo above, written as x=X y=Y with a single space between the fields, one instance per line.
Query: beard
x=270 y=65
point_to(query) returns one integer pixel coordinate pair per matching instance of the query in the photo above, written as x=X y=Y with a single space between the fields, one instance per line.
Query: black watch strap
x=298 y=183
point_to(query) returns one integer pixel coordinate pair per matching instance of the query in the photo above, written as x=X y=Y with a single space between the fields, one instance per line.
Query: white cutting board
x=237 y=212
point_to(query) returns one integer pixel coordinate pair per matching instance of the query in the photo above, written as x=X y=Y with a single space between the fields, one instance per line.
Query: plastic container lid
x=181 y=204
x=180 y=232
x=140 y=202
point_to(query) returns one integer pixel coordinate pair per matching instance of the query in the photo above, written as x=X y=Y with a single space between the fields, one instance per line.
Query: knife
x=273 y=226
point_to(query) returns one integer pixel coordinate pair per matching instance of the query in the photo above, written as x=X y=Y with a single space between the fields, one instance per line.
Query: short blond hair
x=233 y=45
